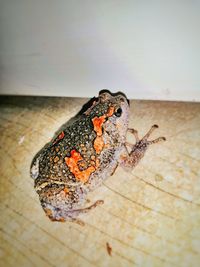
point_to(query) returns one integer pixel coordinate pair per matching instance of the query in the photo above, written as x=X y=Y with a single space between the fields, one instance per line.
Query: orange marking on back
x=75 y=157
x=59 y=137
x=98 y=124
x=110 y=112
x=72 y=163
x=98 y=144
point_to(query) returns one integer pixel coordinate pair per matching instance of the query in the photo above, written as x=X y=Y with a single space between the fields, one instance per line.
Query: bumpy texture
x=84 y=153
x=81 y=156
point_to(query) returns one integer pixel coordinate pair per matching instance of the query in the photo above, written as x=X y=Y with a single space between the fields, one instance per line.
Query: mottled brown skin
x=83 y=154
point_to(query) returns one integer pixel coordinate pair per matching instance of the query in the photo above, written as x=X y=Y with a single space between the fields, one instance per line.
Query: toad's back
x=84 y=153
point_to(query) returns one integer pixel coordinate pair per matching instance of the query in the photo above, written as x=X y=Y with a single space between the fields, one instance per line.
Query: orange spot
x=110 y=112
x=73 y=160
x=98 y=144
x=72 y=163
x=98 y=123
x=60 y=136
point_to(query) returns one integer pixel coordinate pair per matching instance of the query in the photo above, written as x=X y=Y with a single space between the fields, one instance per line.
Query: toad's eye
x=118 y=112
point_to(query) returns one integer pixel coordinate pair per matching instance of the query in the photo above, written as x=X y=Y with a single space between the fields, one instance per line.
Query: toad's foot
x=62 y=215
x=138 y=150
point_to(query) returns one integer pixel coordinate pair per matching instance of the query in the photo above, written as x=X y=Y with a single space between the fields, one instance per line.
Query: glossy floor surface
x=151 y=216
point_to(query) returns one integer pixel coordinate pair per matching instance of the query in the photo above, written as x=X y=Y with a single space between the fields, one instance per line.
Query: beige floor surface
x=151 y=217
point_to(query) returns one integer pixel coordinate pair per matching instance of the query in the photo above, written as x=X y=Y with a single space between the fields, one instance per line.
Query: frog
x=85 y=151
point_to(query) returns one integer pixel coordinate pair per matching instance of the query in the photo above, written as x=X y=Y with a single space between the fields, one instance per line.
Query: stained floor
x=151 y=217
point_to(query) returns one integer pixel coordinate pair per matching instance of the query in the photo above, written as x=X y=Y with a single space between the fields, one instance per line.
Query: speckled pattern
x=74 y=162
x=84 y=154
x=150 y=216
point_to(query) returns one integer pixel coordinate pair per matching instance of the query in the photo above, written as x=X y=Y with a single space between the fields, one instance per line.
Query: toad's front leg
x=130 y=160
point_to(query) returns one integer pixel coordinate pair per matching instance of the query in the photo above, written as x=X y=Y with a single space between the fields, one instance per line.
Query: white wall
x=148 y=49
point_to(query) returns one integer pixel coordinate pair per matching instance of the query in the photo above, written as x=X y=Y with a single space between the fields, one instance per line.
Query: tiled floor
x=151 y=217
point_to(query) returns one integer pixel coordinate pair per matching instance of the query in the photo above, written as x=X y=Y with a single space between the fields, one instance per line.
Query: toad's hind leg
x=62 y=215
x=130 y=160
